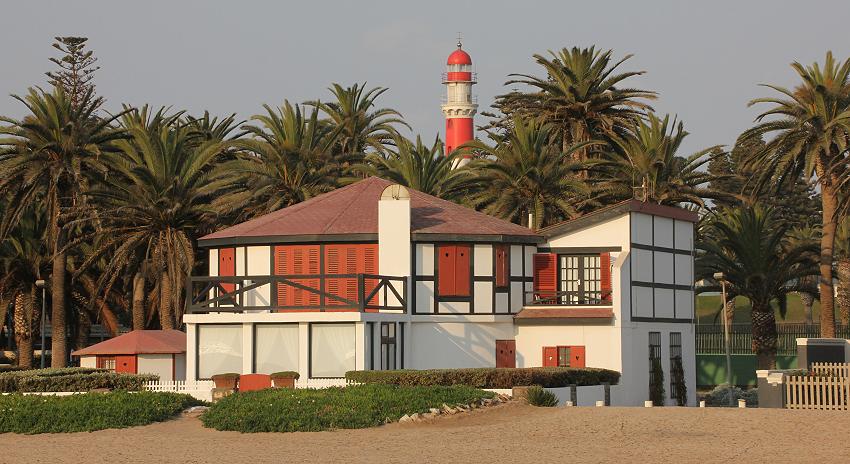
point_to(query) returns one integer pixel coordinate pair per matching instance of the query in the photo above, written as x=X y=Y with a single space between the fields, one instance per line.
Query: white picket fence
x=202 y=389
x=830 y=369
x=811 y=392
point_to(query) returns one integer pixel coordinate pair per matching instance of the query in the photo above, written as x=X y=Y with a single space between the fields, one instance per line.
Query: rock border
x=446 y=410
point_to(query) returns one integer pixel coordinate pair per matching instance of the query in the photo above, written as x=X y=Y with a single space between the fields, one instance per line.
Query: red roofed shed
x=160 y=352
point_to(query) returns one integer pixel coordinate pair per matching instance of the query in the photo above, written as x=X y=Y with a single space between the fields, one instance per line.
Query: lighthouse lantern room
x=459 y=106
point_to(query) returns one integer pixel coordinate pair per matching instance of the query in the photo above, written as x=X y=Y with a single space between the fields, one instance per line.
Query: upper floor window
x=575 y=280
x=453 y=270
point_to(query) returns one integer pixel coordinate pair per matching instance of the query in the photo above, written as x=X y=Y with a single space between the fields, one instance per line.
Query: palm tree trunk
x=166 y=318
x=138 y=301
x=59 y=345
x=23 y=328
x=808 y=300
x=827 y=297
x=764 y=335
x=844 y=290
x=81 y=335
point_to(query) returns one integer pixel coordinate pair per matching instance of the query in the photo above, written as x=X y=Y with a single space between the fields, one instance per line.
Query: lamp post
x=720 y=277
x=41 y=284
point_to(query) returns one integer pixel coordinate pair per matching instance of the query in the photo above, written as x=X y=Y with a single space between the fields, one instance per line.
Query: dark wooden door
x=505 y=353
x=125 y=364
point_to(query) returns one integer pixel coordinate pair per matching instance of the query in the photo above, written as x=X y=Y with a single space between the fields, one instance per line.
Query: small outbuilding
x=160 y=352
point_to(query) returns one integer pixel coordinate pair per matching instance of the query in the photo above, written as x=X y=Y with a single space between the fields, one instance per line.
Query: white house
x=376 y=276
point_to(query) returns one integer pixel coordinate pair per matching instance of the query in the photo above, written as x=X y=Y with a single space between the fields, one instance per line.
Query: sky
x=706 y=59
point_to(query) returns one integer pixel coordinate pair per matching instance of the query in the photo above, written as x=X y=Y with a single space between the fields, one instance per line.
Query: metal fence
x=709 y=337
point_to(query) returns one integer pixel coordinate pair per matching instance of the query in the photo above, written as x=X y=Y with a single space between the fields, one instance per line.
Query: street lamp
x=41 y=284
x=720 y=277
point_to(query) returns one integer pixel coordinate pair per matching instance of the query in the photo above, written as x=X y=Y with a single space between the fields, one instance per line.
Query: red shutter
x=605 y=275
x=446 y=269
x=501 y=265
x=297 y=260
x=227 y=266
x=370 y=266
x=283 y=266
x=357 y=258
x=550 y=356
x=577 y=354
x=546 y=277
x=462 y=277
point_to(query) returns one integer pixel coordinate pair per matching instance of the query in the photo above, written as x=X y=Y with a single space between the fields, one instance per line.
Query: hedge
x=307 y=410
x=549 y=377
x=74 y=379
x=87 y=412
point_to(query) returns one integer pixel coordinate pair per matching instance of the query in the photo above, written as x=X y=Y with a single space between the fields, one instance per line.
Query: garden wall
x=711 y=369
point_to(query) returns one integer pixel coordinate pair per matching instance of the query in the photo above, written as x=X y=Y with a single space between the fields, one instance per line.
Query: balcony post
x=361 y=292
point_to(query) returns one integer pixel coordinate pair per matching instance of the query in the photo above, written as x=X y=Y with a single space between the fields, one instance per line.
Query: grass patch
x=87 y=412
x=70 y=379
x=488 y=377
x=353 y=407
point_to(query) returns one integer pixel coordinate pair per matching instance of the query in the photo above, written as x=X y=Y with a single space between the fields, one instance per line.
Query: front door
x=125 y=364
x=505 y=353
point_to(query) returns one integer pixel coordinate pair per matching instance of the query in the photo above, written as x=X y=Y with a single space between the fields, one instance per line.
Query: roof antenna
x=459 y=40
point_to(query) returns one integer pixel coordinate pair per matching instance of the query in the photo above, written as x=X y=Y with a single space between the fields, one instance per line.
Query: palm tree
x=581 y=95
x=285 y=161
x=357 y=125
x=524 y=173
x=842 y=249
x=644 y=164
x=751 y=248
x=50 y=156
x=810 y=127
x=155 y=203
x=420 y=167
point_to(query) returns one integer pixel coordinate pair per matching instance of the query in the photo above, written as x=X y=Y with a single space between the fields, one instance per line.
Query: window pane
x=563 y=356
x=219 y=349
x=276 y=348
x=332 y=350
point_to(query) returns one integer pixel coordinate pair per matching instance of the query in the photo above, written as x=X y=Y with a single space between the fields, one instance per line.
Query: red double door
x=564 y=356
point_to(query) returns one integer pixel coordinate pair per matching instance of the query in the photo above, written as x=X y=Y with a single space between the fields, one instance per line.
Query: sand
x=511 y=433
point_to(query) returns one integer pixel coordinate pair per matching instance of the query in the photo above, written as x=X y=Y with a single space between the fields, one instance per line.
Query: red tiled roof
x=616 y=210
x=354 y=210
x=139 y=342
x=543 y=312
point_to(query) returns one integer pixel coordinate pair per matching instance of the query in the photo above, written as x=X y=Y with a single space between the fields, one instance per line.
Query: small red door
x=125 y=364
x=227 y=266
x=550 y=356
x=577 y=353
x=506 y=353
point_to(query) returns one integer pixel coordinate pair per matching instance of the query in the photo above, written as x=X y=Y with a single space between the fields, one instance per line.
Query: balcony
x=296 y=293
x=567 y=298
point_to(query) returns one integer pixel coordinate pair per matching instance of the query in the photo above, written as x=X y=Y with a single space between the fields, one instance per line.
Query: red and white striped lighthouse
x=459 y=105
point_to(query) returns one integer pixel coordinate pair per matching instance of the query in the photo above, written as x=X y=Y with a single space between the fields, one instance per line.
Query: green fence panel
x=711 y=369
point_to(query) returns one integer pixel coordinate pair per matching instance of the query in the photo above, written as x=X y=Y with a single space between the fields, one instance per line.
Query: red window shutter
x=333 y=265
x=283 y=266
x=297 y=260
x=605 y=275
x=501 y=265
x=227 y=266
x=370 y=266
x=125 y=364
x=550 y=356
x=462 y=264
x=358 y=258
x=577 y=355
x=546 y=277
x=446 y=269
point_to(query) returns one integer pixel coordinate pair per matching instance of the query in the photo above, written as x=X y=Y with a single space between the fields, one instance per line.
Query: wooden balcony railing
x=567 y=298
x=285 y=293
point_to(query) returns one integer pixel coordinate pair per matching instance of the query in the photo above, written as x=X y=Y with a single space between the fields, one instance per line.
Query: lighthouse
x=459 y=106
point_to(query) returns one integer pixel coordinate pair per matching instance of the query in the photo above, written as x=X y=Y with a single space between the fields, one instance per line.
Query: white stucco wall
x=456 y=344
x=157 y=364
x=602 y=343
x=635 y=373
x=88 y=361
x=259 y=264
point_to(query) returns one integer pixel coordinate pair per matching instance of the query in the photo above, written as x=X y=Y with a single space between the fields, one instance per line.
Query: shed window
x=502 y=270
x=106 y=362
x=453 y=270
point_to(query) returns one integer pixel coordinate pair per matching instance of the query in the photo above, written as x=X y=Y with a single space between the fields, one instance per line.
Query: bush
x=720 y=396
x=548 y=377
x=289 y=410
x=677 y=376
x=74 y=379
x=539 y=396
x=87 y=411
x=286 y=375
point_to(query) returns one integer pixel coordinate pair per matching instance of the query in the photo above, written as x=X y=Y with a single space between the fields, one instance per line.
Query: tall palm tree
x=50 y=155
x=525 y=173
x=810 y=128
x=645 y=164
x=358 y=125
x=751 y=248
x=155 y=203
x=420 y=167
x=582 y=95
x=842 y=266
x=284 y=160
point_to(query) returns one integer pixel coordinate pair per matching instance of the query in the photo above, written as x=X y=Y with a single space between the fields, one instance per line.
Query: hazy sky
x=705 y=58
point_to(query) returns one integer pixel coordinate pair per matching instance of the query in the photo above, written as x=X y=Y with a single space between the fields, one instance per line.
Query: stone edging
x=446 y=410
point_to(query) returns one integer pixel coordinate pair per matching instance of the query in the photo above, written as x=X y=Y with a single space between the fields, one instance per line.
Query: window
x=580 y=279
x=106 y=362
x=388 y=362
x=453 y=268
x=275 y=348
x=502 y=270
x=332 y=351
x=219 y=349
x=563 y=356
x=654 y=352
x=675 y=356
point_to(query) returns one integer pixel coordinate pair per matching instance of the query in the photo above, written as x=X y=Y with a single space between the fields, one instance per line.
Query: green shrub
x=290 y=410
x=656 y=383
x=677 y=376
x=549 y=377
x=539 y=396
x=286 y=375
x=720 y=396
x=73 y=379
x=86 y=412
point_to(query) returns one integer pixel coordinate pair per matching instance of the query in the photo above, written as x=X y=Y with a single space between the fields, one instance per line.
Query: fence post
x=574 y=394
x=607 y=387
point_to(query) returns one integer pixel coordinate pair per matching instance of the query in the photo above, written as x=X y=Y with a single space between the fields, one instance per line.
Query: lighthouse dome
x=459 y=57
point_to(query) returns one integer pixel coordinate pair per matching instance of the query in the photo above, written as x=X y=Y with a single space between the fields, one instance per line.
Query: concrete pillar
x=247 y=348
x=771 y=388
x=394 y=245
x=304 y=350
x=191 y=351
